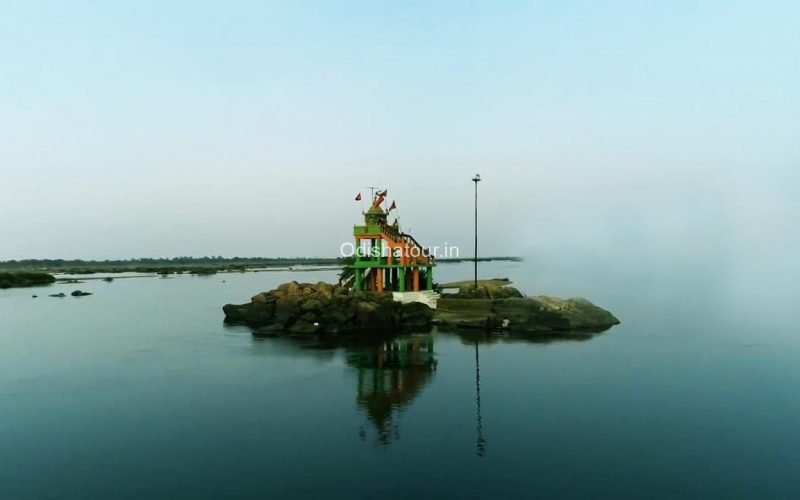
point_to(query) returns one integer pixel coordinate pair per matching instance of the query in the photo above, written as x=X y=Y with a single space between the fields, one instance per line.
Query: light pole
x=476 y=180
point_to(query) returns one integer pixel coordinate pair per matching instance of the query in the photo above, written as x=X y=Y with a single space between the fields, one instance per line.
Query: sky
x=617 y=133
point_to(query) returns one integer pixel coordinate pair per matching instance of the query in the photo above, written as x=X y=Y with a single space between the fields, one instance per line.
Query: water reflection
x=393 y=371
x=390 y=376
x=480 y=445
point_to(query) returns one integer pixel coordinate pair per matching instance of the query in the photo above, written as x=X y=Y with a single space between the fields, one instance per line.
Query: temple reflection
x=390 y=375
x=393 y=371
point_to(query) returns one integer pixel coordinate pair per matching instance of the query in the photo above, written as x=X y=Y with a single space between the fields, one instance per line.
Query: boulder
x=261 y=298
x=371 y=316
x=304 y=325
x=487 y=291
x=268 y=330
x=312 y=304
x=291 y=288
x=248 y=314
x=286 y=308
x=416 y=316
x=323 y=308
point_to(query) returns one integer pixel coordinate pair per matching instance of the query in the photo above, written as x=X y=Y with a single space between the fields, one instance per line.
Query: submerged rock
x=324 y=308
x=58 y=295
x=80 y=293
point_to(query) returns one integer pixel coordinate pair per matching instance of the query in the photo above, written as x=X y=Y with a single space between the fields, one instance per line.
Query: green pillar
x=359 y=279
x=402 y=279
x=429 y=275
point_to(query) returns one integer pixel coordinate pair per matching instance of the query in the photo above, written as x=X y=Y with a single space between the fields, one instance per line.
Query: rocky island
x=333 y=309
x=391 y=287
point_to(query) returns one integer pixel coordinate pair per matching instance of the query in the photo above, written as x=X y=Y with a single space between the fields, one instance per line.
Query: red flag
x=394 y=205
x=358 y=197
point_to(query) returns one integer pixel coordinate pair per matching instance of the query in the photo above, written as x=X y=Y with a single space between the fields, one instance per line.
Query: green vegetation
x=24 y=278
x=203 y=271
x=347 y=270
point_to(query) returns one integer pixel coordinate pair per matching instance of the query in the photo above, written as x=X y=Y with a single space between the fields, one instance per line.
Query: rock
x=291 y=288
x=80 y=293
x=496 y=300
x=324 y=289
x=311 y=305
x=58 y=295
x=261 y=298
x=323 y=308
x=246 y=313
x=416 y=316
x=268 y=330
x=286 y=308
x=530 y=314
x=369 y=316
x=487 y=291
x=304 y=325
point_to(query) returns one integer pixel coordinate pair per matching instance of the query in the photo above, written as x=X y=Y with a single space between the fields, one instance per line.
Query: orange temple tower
x=387 y=259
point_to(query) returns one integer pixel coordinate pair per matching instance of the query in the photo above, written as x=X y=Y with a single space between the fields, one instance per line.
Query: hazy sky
x=631 y=130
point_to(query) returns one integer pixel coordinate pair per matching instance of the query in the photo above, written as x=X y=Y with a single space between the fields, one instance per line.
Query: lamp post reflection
x=481 y=443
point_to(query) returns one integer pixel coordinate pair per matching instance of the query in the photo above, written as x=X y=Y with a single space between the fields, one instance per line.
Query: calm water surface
x=140 y=391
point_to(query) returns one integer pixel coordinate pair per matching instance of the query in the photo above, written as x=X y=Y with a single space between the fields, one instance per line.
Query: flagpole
x=397 y=216
x=372 y=193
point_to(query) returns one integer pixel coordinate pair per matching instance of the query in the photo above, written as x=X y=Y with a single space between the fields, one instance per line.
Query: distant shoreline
x=191 y=265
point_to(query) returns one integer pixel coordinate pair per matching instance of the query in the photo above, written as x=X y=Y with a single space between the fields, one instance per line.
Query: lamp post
x=476 y=180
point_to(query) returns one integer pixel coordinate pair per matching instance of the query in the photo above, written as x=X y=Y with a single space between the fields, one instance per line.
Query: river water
x=140 y=391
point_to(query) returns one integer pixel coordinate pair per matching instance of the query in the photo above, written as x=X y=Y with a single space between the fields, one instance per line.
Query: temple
x=388 y=259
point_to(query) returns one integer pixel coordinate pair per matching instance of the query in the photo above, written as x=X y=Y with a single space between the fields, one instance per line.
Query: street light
x=476 y=180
